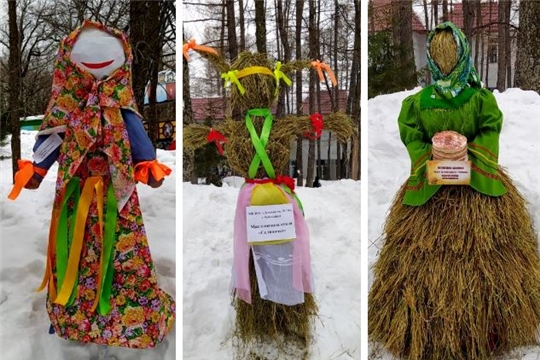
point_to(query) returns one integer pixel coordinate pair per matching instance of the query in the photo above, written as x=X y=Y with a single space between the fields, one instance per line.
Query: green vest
x=473 y=113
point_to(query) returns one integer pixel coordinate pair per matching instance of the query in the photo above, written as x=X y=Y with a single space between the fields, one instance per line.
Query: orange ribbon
x=158 y=170
x=320 y=66
x=218 y=138
x=72 y=271
x=23 y=176
x=191 y=45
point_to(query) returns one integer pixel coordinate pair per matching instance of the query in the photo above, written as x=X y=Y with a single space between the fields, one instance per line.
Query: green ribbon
x=280 y=75
x=260 y=142
x=107 y=270
x=65 y=237
x=230 y=77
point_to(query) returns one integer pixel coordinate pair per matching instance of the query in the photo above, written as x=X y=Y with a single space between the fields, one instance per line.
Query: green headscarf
x=463 y=75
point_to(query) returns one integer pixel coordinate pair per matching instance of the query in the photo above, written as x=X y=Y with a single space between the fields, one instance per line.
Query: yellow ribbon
x=278 y=74
x=231 y=77
x=91 y=184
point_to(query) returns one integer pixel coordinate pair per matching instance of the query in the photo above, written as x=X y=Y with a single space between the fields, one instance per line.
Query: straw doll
x=101 y=280
x=272 y=280
x=458 y=276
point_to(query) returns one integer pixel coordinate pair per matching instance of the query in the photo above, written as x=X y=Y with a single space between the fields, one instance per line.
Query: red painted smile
x=97 y=65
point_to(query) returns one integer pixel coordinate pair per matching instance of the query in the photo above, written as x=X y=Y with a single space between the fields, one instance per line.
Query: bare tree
x=403 y=42
x=313 y=41
x=260 y=26
x=353 y=105
x=231 y=30
x=299 y=140
x=14 y=85
x=528 y=51
x=503 y=55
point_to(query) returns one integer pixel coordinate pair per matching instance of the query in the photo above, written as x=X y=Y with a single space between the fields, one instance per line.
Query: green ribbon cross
x=260 y=142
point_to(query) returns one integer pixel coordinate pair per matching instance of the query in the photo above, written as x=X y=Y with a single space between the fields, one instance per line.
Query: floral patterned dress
x=115 y=299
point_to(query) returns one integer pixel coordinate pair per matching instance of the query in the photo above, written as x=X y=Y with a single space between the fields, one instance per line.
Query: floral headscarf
x=463 y=75
x=78 y=104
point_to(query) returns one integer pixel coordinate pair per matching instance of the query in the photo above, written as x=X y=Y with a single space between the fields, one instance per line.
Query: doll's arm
x=196 y=136
x=337 y=123
x=484 y=149
x=147 y=169
x=485 y=146
x=412 y=136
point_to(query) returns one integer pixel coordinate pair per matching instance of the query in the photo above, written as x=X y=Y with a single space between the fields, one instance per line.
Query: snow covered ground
x=389 y=165
x=333 y=215
x=24 y=225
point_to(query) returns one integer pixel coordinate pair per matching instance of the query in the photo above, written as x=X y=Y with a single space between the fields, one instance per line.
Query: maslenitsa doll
x=272 y=279
x=101 y=281
x=458 y=276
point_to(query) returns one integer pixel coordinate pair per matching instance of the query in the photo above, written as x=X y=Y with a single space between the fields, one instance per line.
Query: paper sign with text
x=47 y=147
x=270 y=223
x=445 y=172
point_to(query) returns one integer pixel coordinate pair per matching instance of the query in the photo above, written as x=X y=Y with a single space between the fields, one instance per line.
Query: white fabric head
x=98 y=52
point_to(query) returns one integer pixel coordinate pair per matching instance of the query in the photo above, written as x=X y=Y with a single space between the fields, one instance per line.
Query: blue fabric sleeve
x=142 y=148
x=49 y=160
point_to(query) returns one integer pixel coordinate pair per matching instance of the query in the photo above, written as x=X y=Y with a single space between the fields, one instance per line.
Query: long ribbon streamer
x=66 y=287
x=107 y=267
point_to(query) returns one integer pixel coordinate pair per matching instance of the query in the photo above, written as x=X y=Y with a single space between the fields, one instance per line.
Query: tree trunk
x=468 y=18
x=528 y=48
x=14 y=86
x=444 y=10
x=139 y=33
x=242 y=24
x=284 y=36
x=187 y=119
x=231 y=30
x=503 y=32
x=260 y=26
x=403 y=41
x=313 y=40
x=354 y=95
x=299 y=140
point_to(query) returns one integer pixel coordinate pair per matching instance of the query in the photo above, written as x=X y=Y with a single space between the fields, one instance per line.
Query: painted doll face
x=98 y=52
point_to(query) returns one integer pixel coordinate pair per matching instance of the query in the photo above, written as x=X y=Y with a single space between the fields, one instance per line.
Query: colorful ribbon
x=317 y=125
x=106 y=260
x=260 y=142
x=218 y=138
x=23 y=176
x=65 y=244
x=279 y=180
x=320 y=66
x=66 y=281
x=192 y=45
x=278 y=74
x=158 y=170
x=231 y=77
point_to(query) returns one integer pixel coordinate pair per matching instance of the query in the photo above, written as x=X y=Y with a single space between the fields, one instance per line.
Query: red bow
x=280 y=179
x=218 y=138
x=317 y=125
